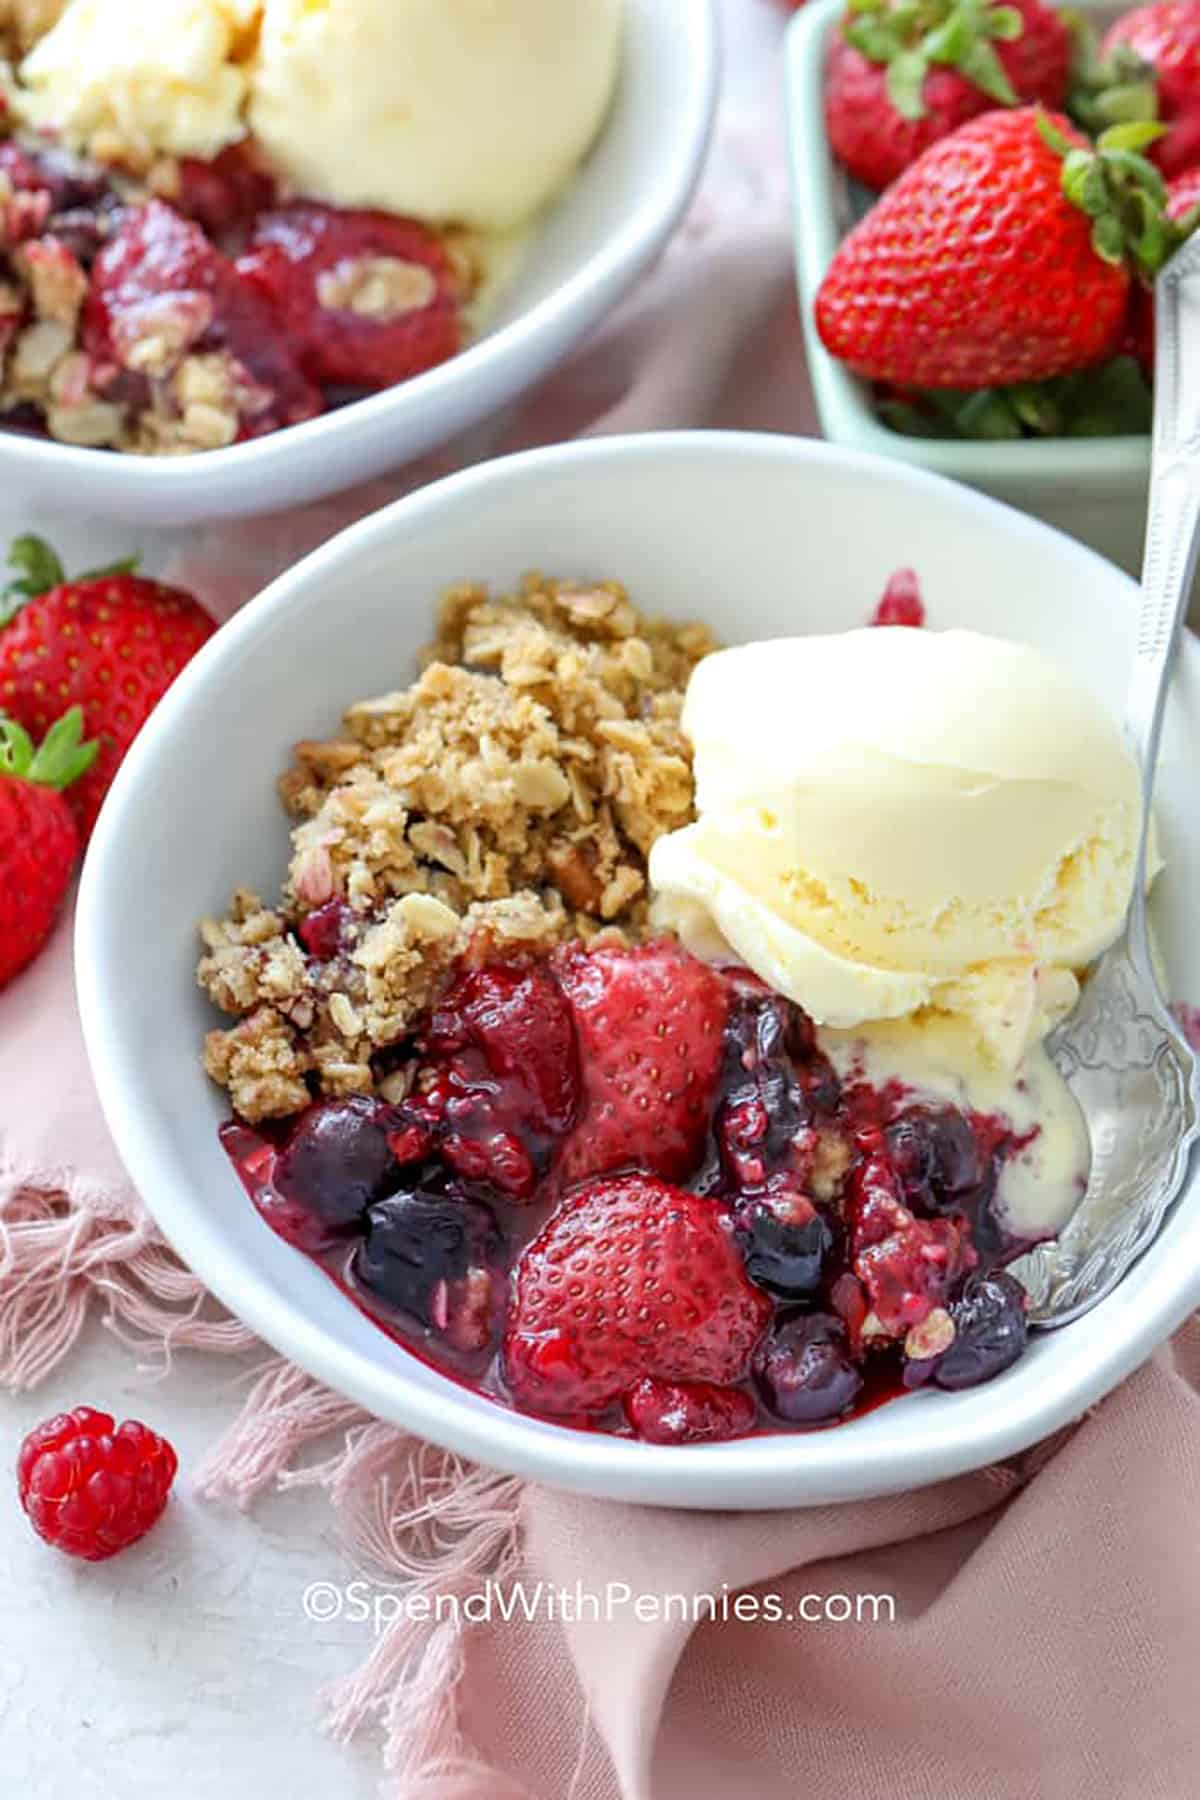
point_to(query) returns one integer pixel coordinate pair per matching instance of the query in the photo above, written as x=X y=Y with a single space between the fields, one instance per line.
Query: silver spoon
x=1121 y=1051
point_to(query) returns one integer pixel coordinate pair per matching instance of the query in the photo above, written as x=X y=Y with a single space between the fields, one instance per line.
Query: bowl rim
x=1095 y=466
x=803 y=1469
x=573 y=306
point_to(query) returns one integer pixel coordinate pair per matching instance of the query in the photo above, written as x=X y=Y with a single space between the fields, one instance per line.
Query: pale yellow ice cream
x=151 y=77
x=896 y=820
x=468 y=111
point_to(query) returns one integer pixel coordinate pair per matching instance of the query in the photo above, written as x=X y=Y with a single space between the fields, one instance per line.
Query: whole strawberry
x=90 y=1488
x=650 y=1023
x=111 y=642
x=39 y=839
x=1165 y=36
x=630 y=1278
x=1003 y=255
x=900 y=76
x=1183 y=207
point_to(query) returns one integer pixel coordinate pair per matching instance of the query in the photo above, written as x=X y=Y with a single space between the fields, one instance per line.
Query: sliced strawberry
x=688 y=1412
x=160 y=279
x=368 y=299
x=629 y=1278
x=651 y=1025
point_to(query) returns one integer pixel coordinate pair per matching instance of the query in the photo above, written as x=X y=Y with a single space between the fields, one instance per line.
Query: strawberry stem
x=38 y=568
x=1120 y=191
x=912 y=36
x=61 y=758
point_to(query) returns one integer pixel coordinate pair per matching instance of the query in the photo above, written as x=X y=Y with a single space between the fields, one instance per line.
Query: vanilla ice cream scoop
x=146 y=77
x=893 y=819
x=472 y=111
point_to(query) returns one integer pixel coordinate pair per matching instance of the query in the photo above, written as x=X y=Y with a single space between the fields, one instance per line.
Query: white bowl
x=758 y=536
x=609 y=225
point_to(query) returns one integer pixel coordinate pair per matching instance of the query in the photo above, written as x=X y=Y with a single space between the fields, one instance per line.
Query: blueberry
x=990 y=1331
x=785 y=1244
x=803 y=1370
x=433 y=1252
x=936 y=1158
x=337 y=1160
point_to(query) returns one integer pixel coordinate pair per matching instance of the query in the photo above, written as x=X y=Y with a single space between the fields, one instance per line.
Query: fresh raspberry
x=159 y=277
x=651 y=1024
x=901 y=603
x=500 y=1075
x=629 y=1278
x=89 y=1489
x=368 y=299
x=688 y=1412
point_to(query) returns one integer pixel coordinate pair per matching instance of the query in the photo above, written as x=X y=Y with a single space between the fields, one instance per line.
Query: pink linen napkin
x=1044 y=1628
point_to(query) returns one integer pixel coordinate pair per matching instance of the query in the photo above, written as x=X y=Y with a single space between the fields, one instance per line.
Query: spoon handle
x=1173 y=518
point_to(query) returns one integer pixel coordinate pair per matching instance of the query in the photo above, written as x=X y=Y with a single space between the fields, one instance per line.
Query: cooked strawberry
x=367 y=299
x=111 y=643
x=688 y=1412
x=226 y=194
x=39 y=840
x=500 y=1076
x=161 y=291
x=1003 y=255
x=901 y=77
x=650 y=1023
x=1165 y=36
x=629 y=1278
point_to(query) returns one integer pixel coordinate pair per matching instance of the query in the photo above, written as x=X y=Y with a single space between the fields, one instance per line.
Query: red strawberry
x=368 y=299
x=39 y=840
x=1165 y=36
x=650 y=1023
x=629 y=1278
x=899 y=78
x=688 y=1412
x=109 y=642
x=901 y=602
x=1183 y=206
x=1002 y=255
x=158 y=282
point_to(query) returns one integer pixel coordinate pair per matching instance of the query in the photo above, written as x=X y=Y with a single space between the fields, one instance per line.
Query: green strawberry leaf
x=37 y=570
x=1113 y=400
x=905 y=80
x=1004 y=23
x=61 y=759
x=125 y=565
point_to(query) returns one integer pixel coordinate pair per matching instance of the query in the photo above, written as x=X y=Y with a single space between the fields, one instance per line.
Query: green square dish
x=1094 y=488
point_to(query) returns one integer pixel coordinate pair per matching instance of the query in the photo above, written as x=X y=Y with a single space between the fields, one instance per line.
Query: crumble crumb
x=507 y=799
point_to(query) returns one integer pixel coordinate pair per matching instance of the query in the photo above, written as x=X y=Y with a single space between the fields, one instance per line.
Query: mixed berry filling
x=626 y=1190
x=203 y=310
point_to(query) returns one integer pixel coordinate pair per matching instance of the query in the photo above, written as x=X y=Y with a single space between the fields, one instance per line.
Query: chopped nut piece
x=377 y=287
x=931 y=1337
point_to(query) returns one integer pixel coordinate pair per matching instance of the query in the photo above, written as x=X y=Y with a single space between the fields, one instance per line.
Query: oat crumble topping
x=509 y=796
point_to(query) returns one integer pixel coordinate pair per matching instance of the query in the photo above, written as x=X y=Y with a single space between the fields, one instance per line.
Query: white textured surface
x=187 y=1664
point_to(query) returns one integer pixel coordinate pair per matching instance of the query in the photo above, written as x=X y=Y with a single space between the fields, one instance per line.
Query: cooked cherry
x=803 y=1370
x=337 y=1160
x=322 y=930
